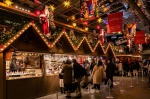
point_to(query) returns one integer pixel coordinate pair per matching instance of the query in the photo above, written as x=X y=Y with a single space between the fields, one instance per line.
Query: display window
x=23 y=65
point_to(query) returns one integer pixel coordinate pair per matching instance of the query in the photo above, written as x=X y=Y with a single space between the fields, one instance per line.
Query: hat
x=68 y=61
x=74 y=60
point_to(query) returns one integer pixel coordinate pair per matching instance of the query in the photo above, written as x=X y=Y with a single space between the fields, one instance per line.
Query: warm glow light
x=139 y=3
x=66 y=3
x=86 y=28
x=98 y=27
x=52 y=7
x=37 y=12
x=73 y=17
x=105 y=9
x=99 y=20
x=74 y=24
x=119 y=32
x=16 y=6
x=8 y=2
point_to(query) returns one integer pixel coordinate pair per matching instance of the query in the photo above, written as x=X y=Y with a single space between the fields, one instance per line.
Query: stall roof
x=35 y=39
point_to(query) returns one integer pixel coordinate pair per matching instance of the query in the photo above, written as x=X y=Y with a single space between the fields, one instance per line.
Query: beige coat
x=98 y=74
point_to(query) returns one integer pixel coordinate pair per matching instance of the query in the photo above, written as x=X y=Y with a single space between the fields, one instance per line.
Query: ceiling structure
x=132 y=12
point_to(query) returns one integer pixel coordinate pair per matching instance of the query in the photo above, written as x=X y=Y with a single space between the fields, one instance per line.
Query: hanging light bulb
x=74 y=24
x=66 y=3
x=86 y=28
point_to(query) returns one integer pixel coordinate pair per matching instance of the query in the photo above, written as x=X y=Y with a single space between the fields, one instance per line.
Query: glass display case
x=54 y=63
x=23 y=65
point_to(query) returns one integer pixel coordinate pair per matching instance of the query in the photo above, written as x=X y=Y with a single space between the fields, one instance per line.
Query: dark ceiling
x=131 y=12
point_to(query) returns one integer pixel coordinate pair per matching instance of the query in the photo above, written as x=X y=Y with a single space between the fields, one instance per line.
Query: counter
x=31 y=88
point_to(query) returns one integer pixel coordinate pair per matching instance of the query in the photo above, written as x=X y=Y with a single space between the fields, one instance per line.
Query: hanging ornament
x=47 y=20
x=66 y=3
x=8 y=2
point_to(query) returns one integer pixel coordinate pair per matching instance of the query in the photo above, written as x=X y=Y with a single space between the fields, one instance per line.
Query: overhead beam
x=138 y=11
x=14 y=10
x=33 y=16
x=61 y=7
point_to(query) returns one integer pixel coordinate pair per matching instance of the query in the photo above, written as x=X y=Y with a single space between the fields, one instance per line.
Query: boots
x=61 y=89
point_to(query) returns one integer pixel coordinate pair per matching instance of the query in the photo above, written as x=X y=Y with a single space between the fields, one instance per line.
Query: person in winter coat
x=98 y=74
x=79 y=72
x=67 y=77
x=110 y=69
x=86 y=78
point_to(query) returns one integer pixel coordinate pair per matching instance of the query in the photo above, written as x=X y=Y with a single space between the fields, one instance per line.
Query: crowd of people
x=90 y=72
x=96 y=72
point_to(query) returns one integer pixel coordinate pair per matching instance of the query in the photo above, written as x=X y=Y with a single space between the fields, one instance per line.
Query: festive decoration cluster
x=70 y=36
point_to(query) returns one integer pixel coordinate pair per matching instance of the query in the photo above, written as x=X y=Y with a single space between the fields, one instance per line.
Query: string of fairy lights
x=50 y=45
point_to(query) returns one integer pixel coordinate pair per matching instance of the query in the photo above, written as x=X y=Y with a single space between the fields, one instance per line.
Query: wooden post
x=2 y=77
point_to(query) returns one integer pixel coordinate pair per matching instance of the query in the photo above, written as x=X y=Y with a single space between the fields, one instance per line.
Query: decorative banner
x=115 y=22
x=101 y=38
x=140 y=33
x=139 y=39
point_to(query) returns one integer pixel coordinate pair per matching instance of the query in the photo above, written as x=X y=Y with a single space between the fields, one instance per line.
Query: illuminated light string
x=62 y=33
x=14 y=38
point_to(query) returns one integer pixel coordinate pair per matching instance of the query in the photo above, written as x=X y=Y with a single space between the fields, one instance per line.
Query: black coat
x=79 y=71
x=110 y=69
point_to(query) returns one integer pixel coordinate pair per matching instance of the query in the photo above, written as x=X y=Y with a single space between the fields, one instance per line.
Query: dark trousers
x=111 y=81
x=149 y=78
x=97 y=86
x=78 y=80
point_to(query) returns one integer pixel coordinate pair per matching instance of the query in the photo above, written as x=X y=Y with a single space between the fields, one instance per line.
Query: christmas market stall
x=23 y=66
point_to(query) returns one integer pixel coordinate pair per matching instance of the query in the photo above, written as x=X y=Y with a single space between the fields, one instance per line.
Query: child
x=61 y=83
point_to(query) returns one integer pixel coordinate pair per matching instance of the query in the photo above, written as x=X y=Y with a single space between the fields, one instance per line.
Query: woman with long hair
x=98 y=74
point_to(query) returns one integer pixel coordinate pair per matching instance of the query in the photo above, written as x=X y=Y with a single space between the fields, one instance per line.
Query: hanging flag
x=140 y=33
x=115 y=22
x=140 y=37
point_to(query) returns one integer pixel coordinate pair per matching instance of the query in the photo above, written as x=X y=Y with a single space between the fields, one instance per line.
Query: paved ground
x=124 y=88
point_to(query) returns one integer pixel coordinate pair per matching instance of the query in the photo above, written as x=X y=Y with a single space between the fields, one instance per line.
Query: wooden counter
x=30 y=88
